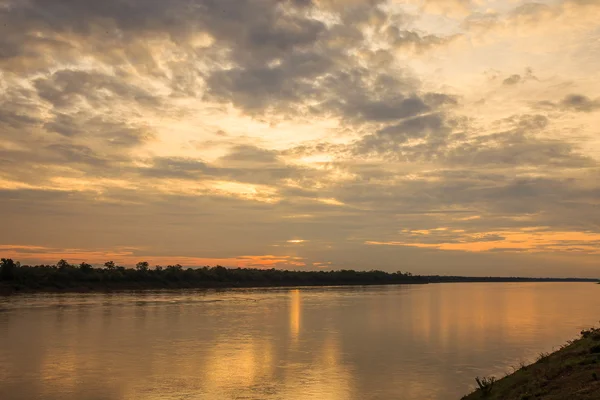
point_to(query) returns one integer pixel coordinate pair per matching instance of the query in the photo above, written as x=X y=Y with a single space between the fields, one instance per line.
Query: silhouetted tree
x=142 y=266
x=8 y=267
x=221 y=272
x=62 y=264
x=110 y=265
x=85 y=266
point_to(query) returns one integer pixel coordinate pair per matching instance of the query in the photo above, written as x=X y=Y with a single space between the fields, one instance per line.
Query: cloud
x=243 y=165
x=176 y=167
x=522 y=145
x=251 y=154
x=452 y=7
x=182 y=126
x=68 y=88
x=519 y=150
x=76 y=154
x=508 y=241
x=571 y=102
x=577 y=102
x=128 y=257
x=118 y=32
x=19 y=113
x=406 y=39
x=285 y=59
x=392 y=139
x=556 y=19
x=512 y=80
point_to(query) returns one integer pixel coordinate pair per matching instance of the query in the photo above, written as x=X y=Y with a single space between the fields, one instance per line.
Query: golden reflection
x=232 y=366
x=60 y=365
x=412 y=343
x=457 y=317
x=327 y=379
x=295 y=312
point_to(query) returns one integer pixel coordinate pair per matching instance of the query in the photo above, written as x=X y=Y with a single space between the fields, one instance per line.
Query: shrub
x=485 y=384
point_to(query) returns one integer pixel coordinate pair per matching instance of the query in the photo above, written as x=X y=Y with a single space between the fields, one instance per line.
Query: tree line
x=65 y=276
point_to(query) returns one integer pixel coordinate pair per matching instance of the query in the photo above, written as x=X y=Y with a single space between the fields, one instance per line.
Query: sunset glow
x=302 y=134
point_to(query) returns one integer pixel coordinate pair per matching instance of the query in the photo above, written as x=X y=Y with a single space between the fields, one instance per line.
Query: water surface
x=392 y=342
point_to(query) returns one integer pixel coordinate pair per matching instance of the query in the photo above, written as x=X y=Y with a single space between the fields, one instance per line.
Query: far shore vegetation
x=572 y=372
x=63 y=276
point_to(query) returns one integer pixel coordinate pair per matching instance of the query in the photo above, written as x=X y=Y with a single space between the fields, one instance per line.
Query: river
x=357 y=343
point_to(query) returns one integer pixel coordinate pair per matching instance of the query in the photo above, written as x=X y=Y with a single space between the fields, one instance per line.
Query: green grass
x=570 y=373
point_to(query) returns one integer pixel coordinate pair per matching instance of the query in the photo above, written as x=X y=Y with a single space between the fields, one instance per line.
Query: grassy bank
x=572 y=373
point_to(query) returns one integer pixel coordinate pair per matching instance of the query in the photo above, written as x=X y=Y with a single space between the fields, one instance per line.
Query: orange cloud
x=130 y=256
x=530 y=240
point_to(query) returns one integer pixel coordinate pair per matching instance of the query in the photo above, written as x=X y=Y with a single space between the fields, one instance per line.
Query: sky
x=430 y=136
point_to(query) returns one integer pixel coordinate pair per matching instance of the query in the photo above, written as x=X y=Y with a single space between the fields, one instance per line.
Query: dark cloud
x=439 y=99
x=522 y=146
x=326 y=75
x=518 y=149
x=271 y=28
x=406 y=39
x=67 y=88
x=176 y=167
x=503 y=199
x=65 y=125
x=330 y=85
x=245 y=164
x=520 y=78
x=113 y=135
x=265 y=87
x=19 y=113
x=280 y=56
x=70 y=153
x=114 y=30
x=580 y=103
x=528 y=123
x=251 y=154
x=68 y=117
x=446 y=236
x=390 y=109
x=47 y=160
x=512 y=80
x=572 y=102
x=16 y=120
x=326 y=78
x=390 y=140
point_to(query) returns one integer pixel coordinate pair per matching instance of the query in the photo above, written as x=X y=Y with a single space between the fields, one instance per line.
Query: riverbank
x=84 y=278
x=14 y=288
x=8 y=289
x=64 y=277
x=572 y=373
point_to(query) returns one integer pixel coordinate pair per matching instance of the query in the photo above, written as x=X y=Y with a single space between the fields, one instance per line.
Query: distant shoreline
x=8 y=289
x=63 y=278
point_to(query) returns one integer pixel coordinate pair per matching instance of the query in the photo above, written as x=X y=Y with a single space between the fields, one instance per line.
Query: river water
x=392 y=342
